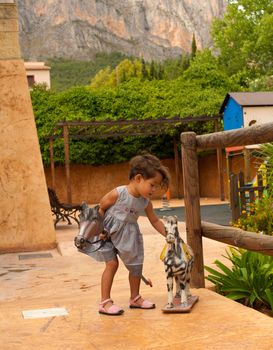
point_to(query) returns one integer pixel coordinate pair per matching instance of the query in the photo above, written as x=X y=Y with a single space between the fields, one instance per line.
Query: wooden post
x=220 y=166
x=260 y=184
x=67 y=163
x=52 y=165
x=177 y=172
x=242 y=193
x=220 y=173
x=247 y=165
x=229 y=170
x=192 y=205
x=234 y=197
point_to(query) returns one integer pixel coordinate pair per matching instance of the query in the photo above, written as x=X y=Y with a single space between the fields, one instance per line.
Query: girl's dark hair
x=148 y=165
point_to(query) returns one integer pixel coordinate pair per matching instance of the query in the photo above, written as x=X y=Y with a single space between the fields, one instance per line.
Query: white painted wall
x=260 y=113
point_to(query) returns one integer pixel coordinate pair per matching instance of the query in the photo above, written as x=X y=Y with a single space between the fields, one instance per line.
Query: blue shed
x=242 y=109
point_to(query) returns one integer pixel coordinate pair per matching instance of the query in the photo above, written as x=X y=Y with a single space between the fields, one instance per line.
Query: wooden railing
x=194 y=227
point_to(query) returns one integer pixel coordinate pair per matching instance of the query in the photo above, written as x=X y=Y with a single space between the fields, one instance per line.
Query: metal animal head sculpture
x=91 y=224
x=170 y=223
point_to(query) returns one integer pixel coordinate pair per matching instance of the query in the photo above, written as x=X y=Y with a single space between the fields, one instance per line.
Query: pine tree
x=144 y=69
x=193 y=47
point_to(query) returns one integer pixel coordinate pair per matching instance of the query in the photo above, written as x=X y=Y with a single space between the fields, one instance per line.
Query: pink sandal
x=145 y=304
x=113 y=310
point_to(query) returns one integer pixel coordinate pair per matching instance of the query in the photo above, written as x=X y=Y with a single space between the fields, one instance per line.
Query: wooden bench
x=63 y=211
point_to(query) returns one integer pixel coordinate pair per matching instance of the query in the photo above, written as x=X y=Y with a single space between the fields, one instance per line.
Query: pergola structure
x=124 y=128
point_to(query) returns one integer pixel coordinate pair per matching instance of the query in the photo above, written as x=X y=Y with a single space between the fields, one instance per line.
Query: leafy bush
x=260 y=219
x=249 y=280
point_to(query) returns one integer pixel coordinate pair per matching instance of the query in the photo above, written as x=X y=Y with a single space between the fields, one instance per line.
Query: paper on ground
x=41 y=313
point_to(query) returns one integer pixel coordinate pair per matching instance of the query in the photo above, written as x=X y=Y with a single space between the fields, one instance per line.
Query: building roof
x=36 y=66
x=249 y=99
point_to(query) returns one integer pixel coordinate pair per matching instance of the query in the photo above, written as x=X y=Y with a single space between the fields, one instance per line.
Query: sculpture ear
x=164 y=218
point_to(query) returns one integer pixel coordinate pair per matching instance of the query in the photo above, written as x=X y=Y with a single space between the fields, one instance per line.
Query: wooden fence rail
x=251 y=135
x=190 y=142
x=239 y=238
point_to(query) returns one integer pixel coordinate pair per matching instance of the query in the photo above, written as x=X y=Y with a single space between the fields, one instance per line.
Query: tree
x=205 y=72
x=102 y=78
x=264 y=45
x=244 y=35
x=193 y=47
x=144 y=71
x=124 y=71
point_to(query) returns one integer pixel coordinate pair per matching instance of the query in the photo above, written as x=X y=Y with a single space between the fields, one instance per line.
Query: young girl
x=121 y=208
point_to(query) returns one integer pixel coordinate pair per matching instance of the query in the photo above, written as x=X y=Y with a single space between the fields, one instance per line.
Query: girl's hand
x=104 y=235
x=154 y=220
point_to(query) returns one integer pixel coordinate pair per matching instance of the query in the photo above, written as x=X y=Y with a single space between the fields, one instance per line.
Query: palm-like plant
x=249 y=280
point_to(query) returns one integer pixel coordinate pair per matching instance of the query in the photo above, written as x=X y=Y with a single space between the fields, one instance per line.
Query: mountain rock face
x=152 y=29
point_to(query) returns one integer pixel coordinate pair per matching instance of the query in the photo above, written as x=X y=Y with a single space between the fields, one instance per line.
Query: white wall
x=260 y=114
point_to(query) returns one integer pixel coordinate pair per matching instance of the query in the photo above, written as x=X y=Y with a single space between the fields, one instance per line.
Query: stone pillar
x=26 y=223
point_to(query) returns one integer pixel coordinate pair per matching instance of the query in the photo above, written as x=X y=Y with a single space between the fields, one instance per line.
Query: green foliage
x=244 y=36
x=204 y=71
x=248 y=281
x=129 y=69
x=261 y=83
x=131 y=99
x=260 y=219
x=124 y=71
x=69 y=73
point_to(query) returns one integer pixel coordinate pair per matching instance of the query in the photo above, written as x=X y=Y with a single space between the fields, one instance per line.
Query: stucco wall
x=25 y=217
x=91 y=183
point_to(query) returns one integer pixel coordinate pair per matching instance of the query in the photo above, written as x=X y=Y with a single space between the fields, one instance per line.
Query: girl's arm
x=107 y=201
x=154 y=220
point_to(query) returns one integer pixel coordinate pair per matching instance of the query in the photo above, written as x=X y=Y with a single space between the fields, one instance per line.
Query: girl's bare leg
x=134 y=285
x=107 y=280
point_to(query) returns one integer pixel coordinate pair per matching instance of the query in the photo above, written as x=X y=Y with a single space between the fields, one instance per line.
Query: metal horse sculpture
x=91 y=224
x=178 y=260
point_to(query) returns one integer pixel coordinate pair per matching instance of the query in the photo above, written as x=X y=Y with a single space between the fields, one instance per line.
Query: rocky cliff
x=153 y=29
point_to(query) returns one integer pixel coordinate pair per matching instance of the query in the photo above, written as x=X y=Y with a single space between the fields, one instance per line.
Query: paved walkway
x=71 y=280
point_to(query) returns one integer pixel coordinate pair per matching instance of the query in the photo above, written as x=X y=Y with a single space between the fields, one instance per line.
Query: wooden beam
x=220 y=173
x=240 y=137
x=247 y=156
x=192 y=205
x=236 y=237
x=177 y=170
x=67 y=163
x=52 y=165
x=121 y=122
x=220 y=166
